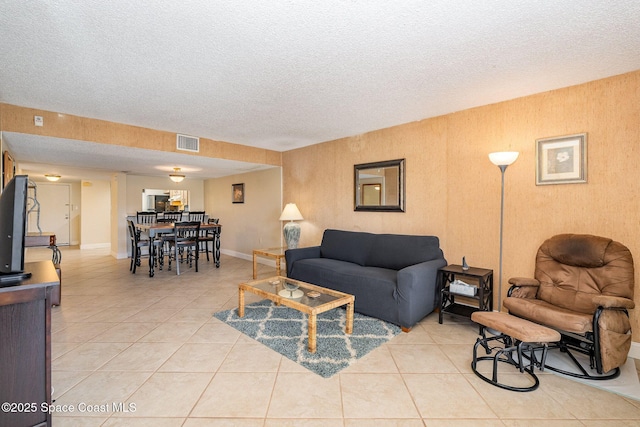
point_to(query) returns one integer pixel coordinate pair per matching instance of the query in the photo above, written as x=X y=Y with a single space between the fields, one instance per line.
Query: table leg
x=277 y=265
x=217 y=255
x=152 y=256
x=240 y=302
x=348 y=329
x=312 y=333
x=255 y=266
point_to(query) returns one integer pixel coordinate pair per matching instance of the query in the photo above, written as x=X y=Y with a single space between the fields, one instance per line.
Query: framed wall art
x=237 y=193
x=561 y=160
x=379 y=186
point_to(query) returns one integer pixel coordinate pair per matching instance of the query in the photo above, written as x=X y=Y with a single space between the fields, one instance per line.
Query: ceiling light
x=52 y=177
x=176 y=176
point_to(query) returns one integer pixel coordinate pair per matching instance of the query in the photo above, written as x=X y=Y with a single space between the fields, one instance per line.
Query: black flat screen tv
x=13 y=229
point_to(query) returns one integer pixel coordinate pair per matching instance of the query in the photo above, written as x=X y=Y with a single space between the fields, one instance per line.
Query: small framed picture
x=237 y=193
x=561 y=160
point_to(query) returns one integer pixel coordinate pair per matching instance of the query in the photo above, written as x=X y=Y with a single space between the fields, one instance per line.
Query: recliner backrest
x=573 y=268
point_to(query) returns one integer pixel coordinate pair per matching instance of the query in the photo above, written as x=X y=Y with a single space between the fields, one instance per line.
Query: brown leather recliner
x=583 y=287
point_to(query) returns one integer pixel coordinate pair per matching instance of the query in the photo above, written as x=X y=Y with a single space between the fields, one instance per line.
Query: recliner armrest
x=523 y=287
x=524 y=281
x=607 y=301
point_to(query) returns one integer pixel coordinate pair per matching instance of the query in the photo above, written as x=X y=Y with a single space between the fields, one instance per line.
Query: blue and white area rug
x=284 y=330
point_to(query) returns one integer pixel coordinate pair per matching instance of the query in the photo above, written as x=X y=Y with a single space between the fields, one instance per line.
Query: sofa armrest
x=607 y=301
x=417 y=291
x=293 y=255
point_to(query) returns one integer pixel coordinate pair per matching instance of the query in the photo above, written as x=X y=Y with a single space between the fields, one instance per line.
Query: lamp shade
x=176 y=176
x=503 y=158
x=291 y=213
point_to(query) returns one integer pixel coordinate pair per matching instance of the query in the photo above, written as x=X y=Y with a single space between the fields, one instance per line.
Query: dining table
x=156 y=230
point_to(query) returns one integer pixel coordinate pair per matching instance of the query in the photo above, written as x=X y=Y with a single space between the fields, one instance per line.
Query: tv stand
x=10 y=279
x=25 y=346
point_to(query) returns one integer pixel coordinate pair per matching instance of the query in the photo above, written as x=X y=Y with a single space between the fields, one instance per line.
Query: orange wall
x=20 y=119
x=453 y=190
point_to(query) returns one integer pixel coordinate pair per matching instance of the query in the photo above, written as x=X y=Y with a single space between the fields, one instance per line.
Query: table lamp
x=291 y=229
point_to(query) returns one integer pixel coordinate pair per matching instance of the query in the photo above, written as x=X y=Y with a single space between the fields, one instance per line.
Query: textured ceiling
x=284 y=74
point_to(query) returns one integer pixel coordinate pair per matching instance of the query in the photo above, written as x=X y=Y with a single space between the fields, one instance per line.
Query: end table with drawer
x=461 y=307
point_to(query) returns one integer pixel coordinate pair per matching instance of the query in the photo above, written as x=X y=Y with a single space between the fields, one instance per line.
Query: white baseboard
x=260 y=260
x=237 y=254
x=119 y=255
x=95 y=246
x=635 y=350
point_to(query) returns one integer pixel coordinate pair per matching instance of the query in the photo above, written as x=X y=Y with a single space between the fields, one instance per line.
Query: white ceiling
x=282 y=74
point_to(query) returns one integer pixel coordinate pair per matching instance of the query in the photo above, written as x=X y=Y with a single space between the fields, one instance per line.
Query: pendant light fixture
x=176 y=176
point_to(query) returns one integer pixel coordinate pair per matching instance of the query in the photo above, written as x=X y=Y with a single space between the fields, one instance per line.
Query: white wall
x=96 y=212
x=118 y=216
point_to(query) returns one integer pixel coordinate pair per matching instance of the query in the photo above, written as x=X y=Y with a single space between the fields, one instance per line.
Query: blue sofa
x=392 y=276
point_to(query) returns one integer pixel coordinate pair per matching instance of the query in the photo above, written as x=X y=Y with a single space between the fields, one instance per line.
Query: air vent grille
x=188 y=143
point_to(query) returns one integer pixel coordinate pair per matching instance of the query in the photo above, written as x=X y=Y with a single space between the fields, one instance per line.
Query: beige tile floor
x=138 y=351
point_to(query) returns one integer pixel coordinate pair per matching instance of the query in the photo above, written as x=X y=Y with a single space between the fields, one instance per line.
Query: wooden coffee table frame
x=312 y=312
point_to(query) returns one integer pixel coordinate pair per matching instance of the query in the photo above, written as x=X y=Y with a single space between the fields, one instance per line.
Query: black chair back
x=197 y=216
x=146 y=217
x=172 y=216
x=186 y=233
x=185 y=240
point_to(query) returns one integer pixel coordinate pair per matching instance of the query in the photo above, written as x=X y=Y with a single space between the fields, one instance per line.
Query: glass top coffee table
x=304 y=297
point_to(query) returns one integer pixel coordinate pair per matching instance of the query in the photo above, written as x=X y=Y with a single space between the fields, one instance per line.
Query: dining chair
x=184 y=244
x=137 y=245
x=146 y=217
x=208 y=236
x=172 y=215
x=197 y=216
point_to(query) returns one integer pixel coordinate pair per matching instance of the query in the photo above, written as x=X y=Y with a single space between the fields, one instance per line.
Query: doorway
x=54 y=212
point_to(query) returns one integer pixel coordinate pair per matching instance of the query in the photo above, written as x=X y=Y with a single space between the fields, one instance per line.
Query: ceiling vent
x=187 y=143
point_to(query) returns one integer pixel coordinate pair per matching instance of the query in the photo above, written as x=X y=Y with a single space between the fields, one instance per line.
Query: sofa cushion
x=396 y=251
x=346 y=245
x=374 y=288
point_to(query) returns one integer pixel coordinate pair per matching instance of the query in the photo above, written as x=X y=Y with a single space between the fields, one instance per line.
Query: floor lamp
x=502 y=159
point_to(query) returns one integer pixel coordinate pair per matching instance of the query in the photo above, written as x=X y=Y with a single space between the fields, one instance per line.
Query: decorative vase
x=291 y=233
x=465 y=266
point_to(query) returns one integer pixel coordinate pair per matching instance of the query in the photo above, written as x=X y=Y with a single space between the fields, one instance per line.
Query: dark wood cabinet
x=25 y=347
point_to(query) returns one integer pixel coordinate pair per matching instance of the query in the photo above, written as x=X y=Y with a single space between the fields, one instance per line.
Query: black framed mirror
x=379 y=186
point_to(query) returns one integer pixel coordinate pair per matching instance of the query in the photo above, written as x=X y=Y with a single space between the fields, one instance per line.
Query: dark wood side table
x=45 y=239
x=481 y=277
x=25 y=347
